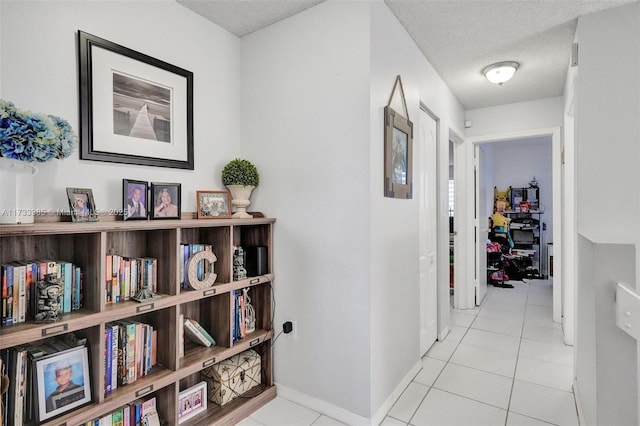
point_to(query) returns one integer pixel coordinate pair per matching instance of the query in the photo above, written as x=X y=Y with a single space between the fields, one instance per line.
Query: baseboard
x=393 y=396
x=324 y=407
x=443 y=334
x=346 y=416
x=576 y=395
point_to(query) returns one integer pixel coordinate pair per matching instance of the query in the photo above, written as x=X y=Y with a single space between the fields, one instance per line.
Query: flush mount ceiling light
x=500 y=72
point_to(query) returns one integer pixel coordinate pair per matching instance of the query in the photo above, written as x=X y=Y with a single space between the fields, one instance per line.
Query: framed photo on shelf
x=192 y=401
x=213 y=204
x=134 y=199
x=134 y=108
x=165 y=200
x=62 y=382
x=398 y=155
x=81 y=204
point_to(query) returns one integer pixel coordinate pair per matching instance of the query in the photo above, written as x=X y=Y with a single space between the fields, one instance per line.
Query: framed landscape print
x=134 y=108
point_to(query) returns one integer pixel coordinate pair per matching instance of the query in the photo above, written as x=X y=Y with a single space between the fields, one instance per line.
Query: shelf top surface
x=118 y=225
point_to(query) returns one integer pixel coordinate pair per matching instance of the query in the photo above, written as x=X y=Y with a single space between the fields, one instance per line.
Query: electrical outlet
x=293 y=335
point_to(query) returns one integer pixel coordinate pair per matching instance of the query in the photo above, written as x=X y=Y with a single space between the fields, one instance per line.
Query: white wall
x=607 y=158
x=538 y=114
x=39 y=73
x=347 y=257
x=394 y=242
x=305 y=101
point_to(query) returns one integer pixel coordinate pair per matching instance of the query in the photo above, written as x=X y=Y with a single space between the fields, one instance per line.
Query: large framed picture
x=165 y=199
x=62 y=382
x=398 y=155
x=81 y=204
x=134 y=199
x=134 y=108
x=192 y=401
x=213 y=204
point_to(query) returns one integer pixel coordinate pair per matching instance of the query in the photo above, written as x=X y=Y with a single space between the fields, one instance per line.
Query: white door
x=481 y=224
x=427 y=141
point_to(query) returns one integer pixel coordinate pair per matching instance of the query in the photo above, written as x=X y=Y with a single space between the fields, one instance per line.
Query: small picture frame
x=62 y=382
x=135 y=204
x=192 y=401
x=81 y=204
x=165 y=200
x=213 y=204
x=398 y=155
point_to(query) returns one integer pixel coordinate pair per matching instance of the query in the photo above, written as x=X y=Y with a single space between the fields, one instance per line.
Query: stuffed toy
x=502 y=199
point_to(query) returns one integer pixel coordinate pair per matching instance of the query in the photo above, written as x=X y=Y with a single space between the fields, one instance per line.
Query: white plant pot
x=240 y=200
x=16 y=201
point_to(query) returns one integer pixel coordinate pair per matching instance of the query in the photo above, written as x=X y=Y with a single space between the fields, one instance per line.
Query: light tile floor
x=503 y=363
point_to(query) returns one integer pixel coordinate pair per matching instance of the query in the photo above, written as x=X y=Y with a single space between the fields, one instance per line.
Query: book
x=65 y=272
x=108 y=348
x=202 y=331
x=9 y=296
x=192 y=332
x=181 y=336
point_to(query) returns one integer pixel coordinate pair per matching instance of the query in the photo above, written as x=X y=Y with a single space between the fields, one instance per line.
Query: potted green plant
x=240 y=176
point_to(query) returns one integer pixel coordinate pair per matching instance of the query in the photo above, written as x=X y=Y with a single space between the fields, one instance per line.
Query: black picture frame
x=398 y=155
x=135 y=199
x=52 y=402
x=159 y=206
x=81 y=205
x=134 y=108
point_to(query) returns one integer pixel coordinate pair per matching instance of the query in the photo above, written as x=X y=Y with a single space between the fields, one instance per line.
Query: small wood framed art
x=213 y=204
x=398 y=150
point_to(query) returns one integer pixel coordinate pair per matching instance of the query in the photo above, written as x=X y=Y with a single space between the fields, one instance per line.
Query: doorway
x=477 y=224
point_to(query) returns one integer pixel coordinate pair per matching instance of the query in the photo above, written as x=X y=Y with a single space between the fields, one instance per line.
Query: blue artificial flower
x=34 y=137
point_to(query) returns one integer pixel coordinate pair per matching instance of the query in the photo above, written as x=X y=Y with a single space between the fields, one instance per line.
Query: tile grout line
x=440 y=373
x=513 y=382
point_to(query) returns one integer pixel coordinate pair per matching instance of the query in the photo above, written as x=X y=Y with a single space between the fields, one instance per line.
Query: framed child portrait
x=135 y=199
x=192 y=401
x=62 y=382
x=81 y=204
x=165 y=199
x=213 y=204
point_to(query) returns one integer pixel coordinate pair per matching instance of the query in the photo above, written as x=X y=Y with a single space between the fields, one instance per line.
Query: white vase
x=240 y=199
x=16 y=201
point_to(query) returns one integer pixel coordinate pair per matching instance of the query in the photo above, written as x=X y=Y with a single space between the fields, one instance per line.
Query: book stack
x=130 y=352
x=19 y=288
x=195 y=332
x=186 y=251
x=125 y=276
x=133 y=414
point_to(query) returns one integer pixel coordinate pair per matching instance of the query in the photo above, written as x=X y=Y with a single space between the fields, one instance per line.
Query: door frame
x=472 y=223
x=423 y=241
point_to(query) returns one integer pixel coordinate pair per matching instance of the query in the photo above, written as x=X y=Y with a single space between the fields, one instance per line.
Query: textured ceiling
x=458 y=37
x=242 y=17
x=461 y=38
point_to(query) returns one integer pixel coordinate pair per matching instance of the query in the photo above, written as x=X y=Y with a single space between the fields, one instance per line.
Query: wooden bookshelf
x=88 y=244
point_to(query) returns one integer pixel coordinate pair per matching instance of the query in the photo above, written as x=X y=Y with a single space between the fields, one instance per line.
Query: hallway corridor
x=504 y=363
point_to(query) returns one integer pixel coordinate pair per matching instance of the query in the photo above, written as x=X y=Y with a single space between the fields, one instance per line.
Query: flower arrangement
x=26 y=136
